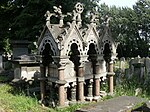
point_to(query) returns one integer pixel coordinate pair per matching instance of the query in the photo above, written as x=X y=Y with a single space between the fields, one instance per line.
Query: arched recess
x=107 y=52
x=103 y=46
x=51 y=42
x=78 y=45
x=74 y=54
x=47 y=54
x=96 y=47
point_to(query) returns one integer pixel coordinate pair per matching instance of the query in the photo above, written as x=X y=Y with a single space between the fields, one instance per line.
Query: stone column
x=42 y=81
x=90 y=90
x=61 y=89
x=97 y=81
x=80 y=83
x=49 y=70
x=66 y=100
x=73 y=91
x=110 y=77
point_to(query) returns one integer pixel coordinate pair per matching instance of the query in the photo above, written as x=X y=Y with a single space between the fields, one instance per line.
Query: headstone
x=122 y=64
x=139 y=69
x=1 y=63
x=20 y=47
x=131 y=67
x=147 y=65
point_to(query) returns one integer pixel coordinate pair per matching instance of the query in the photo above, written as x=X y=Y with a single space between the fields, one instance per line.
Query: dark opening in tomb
x=74 y=54
x=107 y=53
x=47 y=55
x=92 y=55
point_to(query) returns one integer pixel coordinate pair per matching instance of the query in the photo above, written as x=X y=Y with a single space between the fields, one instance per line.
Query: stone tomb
x=74 y=57
x=20 y=47
x=25 y=67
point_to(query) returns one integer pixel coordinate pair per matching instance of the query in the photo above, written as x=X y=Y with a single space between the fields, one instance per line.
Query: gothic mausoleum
x=75 y=59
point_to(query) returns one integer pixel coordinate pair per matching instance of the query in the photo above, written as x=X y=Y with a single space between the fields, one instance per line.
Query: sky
x=119 y=3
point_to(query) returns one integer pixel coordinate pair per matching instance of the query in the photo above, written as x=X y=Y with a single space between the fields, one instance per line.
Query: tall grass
x=17 y=103
x=14 y=101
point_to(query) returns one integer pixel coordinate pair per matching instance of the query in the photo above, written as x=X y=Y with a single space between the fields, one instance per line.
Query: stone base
x=96 y=98
x=103 y=93
x=110 y=94
x=89 y=98
x=66 y=103
x=72 y=102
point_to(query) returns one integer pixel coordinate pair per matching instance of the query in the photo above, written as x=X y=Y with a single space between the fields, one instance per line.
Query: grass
x=14 y=101
x=17 y=103
x=11 y=102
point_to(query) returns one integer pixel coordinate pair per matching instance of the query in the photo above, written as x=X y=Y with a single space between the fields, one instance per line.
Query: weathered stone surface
x=119 y=104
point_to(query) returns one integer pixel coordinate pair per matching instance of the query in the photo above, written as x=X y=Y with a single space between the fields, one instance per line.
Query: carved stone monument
x=75 y=55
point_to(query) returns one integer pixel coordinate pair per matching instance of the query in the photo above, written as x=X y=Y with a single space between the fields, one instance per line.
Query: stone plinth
x=25 y=68
x=20 y=47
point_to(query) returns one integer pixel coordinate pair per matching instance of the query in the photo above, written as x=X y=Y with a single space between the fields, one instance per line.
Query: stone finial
x=57 y=10
x=93 y=17
x=48 y=15
x=58 y=13
x=106 y=20
x=78 y=9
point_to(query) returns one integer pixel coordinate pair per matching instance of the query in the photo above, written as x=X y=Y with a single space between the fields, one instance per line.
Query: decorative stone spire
x=93 y=17
x=106 y=20
x=48 y=16
x=78 y=9
x=57 y=13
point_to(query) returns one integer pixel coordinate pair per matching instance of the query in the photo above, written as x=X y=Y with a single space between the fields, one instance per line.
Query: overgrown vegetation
x=14 y=101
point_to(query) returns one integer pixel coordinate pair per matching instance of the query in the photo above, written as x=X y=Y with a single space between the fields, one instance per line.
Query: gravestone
x=20 y=47
x=122 y=64
x=147 y=65
x=1 y=63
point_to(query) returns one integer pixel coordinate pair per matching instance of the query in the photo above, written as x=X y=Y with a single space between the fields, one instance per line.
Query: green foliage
x=24 y=19
x=12 y=100
x=128 y=87
x=6 y=46
x=17 y=103
x=130 y=27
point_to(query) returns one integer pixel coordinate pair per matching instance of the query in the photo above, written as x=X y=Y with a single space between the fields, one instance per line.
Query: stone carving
x=57 y=10
x=70 y=44
x=93 y=16
x=78 y=9
x=48 y=15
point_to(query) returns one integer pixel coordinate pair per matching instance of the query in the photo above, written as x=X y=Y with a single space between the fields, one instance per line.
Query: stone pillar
x=66 y=100
x=61 y=89
x=80 y=83
x=110 y=77
x=90 y=90
x=49 y=70
x=42 y=81
x=73 y=91
x=97 y=81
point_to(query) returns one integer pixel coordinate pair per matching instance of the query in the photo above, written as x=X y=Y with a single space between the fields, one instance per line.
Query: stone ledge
x=61 y=82
x=80 y=79
x=110 y=73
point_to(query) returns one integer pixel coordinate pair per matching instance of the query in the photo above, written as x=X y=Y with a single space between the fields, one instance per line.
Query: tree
x=26 y=17
x=130 y=27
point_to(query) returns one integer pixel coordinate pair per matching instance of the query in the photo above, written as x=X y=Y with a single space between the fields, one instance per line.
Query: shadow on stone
x=143 y=108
